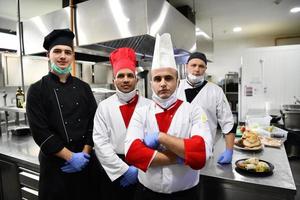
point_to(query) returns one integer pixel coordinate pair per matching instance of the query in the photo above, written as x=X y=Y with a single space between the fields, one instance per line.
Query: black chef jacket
x=60 y=114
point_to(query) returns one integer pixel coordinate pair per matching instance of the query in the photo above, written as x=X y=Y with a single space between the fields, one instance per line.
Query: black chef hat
x=59 y=37
x=198 y=55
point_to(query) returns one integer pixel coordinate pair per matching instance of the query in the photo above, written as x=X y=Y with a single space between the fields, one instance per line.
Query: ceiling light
x=237 y=29
x=295 y=10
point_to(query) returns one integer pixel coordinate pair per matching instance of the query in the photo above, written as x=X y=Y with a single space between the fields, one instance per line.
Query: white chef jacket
x=109 y=135
x=214 y=102
x=188 y=121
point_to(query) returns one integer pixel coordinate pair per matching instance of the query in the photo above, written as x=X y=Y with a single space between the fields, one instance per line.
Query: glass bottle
x=20 y=98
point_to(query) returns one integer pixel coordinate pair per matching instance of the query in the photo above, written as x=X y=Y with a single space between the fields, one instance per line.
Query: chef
x=110 y=125
x=196 y=90
x=60 y=110
x=168 y=140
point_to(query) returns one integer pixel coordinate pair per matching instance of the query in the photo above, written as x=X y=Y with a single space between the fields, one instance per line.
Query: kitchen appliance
x=291 y=116
x=102 y=26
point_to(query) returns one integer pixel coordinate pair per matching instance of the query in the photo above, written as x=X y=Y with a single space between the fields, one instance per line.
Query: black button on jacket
x=53 y=109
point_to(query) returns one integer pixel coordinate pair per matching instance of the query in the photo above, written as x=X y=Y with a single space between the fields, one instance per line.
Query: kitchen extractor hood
x=102 y=26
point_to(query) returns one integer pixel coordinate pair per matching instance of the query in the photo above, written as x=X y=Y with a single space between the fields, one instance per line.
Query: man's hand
x=77 y=162
x=151 y=140
x=226 y=157
x=129 y=177
x=68 y=168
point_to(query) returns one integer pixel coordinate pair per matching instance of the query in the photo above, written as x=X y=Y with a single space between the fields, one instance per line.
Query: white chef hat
x=163 y=56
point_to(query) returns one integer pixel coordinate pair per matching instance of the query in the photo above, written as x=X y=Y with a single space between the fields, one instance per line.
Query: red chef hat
x=123 y=58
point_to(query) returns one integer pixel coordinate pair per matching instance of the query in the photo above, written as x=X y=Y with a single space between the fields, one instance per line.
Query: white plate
x=248 y=148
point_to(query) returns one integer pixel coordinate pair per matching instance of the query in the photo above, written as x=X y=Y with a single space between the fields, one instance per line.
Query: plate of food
x=249 y=141
x=254 y=166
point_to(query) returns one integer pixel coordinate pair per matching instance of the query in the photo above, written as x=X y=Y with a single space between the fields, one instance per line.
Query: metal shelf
x=231 y=91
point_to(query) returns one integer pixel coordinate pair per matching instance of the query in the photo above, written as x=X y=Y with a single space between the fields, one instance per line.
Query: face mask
x=125 y=96
x=164 y=103
x=195 y=79
x=60 y=71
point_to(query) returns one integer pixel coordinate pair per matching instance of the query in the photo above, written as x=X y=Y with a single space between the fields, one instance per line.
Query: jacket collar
x=56 y=78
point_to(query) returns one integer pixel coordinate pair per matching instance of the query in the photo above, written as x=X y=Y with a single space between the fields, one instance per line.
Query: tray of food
x=254 y=166
x=250 y=141
x=271 y=142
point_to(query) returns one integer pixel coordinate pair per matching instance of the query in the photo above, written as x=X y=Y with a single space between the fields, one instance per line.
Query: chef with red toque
x=110 y=125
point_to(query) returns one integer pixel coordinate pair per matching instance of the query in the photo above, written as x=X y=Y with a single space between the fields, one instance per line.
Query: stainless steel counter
x=20 y=149
x=281 y=182
x=13 y=109
x=220 y=180
x=262 y=112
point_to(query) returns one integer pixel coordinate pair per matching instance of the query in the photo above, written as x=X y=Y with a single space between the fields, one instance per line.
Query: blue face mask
x=60 y=71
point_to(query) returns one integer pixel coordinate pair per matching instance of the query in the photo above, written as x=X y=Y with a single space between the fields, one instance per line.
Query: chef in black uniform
x=60 y=111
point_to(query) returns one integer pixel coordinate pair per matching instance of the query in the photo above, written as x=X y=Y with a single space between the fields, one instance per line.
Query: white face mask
x=195 y=79
x=164 y=103
x=125 y=96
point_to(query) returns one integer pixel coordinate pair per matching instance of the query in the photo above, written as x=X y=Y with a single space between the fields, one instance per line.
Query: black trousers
x=113 y=190
x=55 y=184
x=143 y=193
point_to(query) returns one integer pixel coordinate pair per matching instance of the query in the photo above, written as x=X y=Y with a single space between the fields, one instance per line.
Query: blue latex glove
x=226 y=157
x=129 y=177
x=151 y=140
x=68 y=168
x=77 y=162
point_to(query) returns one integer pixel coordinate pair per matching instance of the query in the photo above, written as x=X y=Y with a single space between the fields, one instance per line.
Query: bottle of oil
x=20 y=98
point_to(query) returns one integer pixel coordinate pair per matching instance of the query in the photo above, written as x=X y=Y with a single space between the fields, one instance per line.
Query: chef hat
x=59 y=37
x=163 y=56
x=123 y=58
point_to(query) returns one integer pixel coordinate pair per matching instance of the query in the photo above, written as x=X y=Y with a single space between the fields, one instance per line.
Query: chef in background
x=196 y=90
x=110 y=125
x=60 y=110
x=168 y=140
